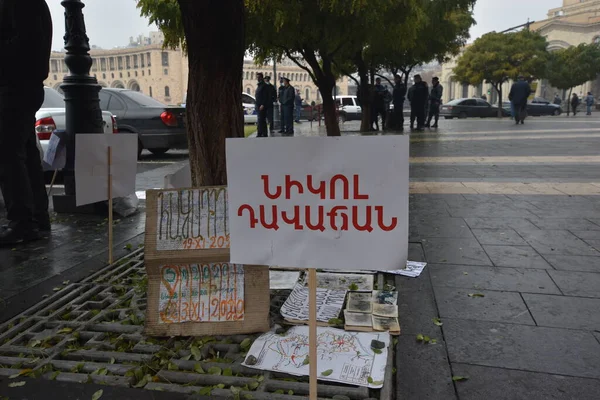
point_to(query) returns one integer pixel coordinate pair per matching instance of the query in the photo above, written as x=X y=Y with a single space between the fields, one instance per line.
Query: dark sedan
x=538 y=108
x=469 y=108
x=159 y=127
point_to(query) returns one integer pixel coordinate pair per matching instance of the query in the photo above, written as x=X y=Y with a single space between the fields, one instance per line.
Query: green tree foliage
x=212 y=31
x=497 y=57
x=573 y=66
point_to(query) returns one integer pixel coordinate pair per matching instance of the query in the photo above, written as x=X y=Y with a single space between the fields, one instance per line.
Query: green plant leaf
x=306 y=361
x=376 y=351
x=457 y=378
x=214 y=371
x=196 y=353
x=227 y=372
x=16 y=384
x=143 y=382
x=426 y=339
x=353 y=286
x=279 y=391
x=54 y=375
x=433 y=341
x=370 y=380
x=420 y=337
x=253 y=385
x=437 y=322
x=327 y=373
x=198 y=369
x=205 y=391
x=476 y=295
x=246 y=344
x=98 y=394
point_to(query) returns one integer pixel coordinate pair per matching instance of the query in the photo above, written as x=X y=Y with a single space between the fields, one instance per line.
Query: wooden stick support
x=110 y=208
x=312 y=332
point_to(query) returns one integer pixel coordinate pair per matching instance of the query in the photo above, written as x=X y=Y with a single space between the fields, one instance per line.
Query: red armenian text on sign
x=364 y=217
x=201 y=293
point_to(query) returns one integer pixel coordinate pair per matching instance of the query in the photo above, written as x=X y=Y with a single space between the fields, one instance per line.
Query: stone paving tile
x=492 y=278
x=443 y=228
x=564 y=311
x=455 y=251
x=495 y=306
x=531 y=348
x=594 y=243
x=499 y=237
x=516 y=257
x=505 y=384
x=416 y=306
x=584 y=284
x=574 y=263
x=500 y=223
x=558 y=242
x=595 y=221
x=423 y=371
x=491 y=211
x=587 y=235
x=565 y=224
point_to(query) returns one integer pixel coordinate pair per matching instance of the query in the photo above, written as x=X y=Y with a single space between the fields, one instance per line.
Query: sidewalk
x=513 y=273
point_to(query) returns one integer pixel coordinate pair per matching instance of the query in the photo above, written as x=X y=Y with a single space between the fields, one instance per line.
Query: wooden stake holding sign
x=328 y=202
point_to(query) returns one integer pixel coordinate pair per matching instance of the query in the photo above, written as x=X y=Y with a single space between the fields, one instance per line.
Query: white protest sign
x=55 y=156
x=319 y=202
x=91 y=166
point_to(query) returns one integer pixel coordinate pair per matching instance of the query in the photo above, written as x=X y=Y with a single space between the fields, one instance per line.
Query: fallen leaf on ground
x=437 y=322
x=327 y=373
x=16 y=384
x=98 y=394
x=476 y=295
x=459 y=378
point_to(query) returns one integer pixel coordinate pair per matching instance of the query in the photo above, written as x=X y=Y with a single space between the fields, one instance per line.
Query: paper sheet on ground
x=91 y=166
x=329 y=304
x=343 y=281
x=55 y=156
x=347 y=354
x=413 y=269
x=280 y=279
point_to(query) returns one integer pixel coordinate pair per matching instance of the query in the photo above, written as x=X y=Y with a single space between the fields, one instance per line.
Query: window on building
x=318 y=95
x=63 y=66
x=149 y=72
x=120 y=74
x=248 y=90
x=136 y=74
x=142 y=61
x=307 y=94
x=150 y=91
x=111 y=62
x=149 y=59
x=54 y=66
x=129 y=74
x=94 y=64
x=143 y=73
x=247 y=75
x=165 y=58
x=120 y=62
x=135 y=61
x=112 y=76
x=103 y=76
x=166 y=71
x=128 y=62
x=167 y=91
x=103 y=64
x=55 y=77
x=252 y=75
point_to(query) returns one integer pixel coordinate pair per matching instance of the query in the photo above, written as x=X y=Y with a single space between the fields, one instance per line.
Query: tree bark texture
x=325 y=81
x=499 y=90
x=364 y=94
x=214 y=31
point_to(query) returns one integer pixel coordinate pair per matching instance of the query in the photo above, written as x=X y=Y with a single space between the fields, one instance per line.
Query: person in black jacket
x=25 y=44
x=398 y=99
x=519 y=92
x=418 y=95
x=263 y=98
x=279 y=94
x=271 y=107
x=286 y=98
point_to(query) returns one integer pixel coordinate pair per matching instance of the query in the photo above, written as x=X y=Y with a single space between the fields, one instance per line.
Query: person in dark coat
x=418 y=95
x=399 y=95
x=575 y=101
x=379 y=106
x=557 y=100
x=263 y=98
x=435 y=101
x=519 y=92
x=286 y=98
x=279 y=94
x=25 y=44
x=271 y=106
x=298 y=106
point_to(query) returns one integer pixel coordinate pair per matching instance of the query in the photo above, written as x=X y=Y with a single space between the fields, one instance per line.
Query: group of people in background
x=588 y=100
x=424 y=104
x=266 y=100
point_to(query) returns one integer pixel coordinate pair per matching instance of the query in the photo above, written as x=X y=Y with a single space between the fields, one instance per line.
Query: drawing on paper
x=192 y=219
x=329 y=304
x=201 y=293
x=358 y=282
x=347 y=354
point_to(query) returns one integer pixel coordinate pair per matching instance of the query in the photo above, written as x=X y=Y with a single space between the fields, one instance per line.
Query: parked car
x=470 y=108
x=349 y=108
x=159 y=127
x=250 y=113
x=311 y=113
x=51 y=117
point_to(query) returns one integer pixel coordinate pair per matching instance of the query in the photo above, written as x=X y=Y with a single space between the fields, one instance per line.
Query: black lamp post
x=83 y=113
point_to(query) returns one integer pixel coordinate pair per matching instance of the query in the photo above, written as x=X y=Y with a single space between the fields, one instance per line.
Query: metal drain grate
x=92 y=332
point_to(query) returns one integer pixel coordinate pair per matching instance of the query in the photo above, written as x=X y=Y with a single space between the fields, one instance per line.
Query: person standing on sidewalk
x=435 y=100
x=418 y=95
x=286 y=98
x=279 y=95
x=399 y=95
x=519 y=93
x=575 y=103
x=589 y=102
x=263 y=97
x=557 y=100
x=298 y=106
x=25 y=44
x=271 y=106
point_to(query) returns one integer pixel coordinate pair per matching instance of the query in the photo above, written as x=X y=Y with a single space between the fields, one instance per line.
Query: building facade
x=147 y=67
x=576 y=22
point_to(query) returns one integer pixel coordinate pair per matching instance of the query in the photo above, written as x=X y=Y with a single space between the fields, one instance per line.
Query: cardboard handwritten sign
x=201 y=293
x=319 y=202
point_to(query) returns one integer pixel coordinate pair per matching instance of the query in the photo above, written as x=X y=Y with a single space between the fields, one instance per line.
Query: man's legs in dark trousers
x=262 y=123
x=270 y=120
x=434 y=113
x=413 y=116
x=383 y=119
x=288 y=119
x=17 y=119
x=420 y=117
x=281 y=119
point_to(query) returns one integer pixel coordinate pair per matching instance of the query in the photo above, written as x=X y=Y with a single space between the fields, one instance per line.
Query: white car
x=349 y=108
x=249 y=104
x=51 y=117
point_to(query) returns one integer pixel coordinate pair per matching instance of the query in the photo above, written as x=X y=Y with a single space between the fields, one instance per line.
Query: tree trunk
x=499 y=90
x=214 y=30
x=364 y=95
x=332 y=125
x=569 y=101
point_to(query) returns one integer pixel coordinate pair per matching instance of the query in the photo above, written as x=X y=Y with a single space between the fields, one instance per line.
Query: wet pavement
x=508 y=218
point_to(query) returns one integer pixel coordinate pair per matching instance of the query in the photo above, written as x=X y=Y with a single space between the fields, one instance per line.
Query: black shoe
x=434 y=125
x=17 y=233
x=523 y=122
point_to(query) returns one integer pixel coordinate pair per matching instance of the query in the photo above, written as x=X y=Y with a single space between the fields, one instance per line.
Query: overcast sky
x=110 y=23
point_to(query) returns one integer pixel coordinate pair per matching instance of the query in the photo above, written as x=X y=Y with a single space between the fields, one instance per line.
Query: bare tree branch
x=298 y=63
